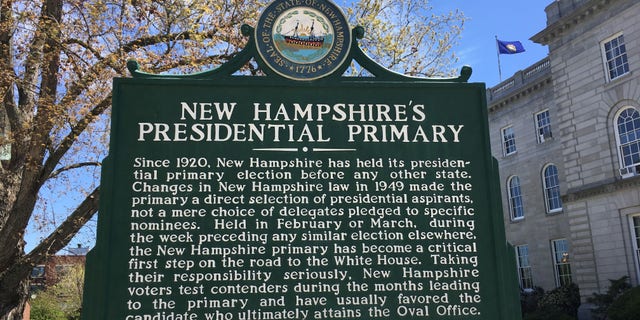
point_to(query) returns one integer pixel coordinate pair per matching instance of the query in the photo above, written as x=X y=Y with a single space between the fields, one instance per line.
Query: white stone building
x=566 y=132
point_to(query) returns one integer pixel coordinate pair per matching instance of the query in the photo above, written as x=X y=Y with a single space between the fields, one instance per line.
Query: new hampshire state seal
x=303 y=39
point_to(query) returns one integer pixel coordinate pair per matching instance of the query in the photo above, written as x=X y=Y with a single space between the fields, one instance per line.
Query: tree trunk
x=14 y=308
x=12 y=246
x=15 y=266
x=15 y=290
x=21 y=181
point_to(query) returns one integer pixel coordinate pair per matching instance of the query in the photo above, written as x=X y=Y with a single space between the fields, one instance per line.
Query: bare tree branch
x=73 y=166
x=164 y=38
x=61 y=236
x=68 y=141
x=58 y=239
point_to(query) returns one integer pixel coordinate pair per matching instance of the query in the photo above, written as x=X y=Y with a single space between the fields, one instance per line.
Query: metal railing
x=520 y=79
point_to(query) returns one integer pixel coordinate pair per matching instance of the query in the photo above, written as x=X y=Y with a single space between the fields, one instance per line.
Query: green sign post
x=301 y=194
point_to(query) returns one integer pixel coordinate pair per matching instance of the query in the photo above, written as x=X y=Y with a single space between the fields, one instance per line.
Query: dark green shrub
x=626 y=306
x=565 y=299
x=559 y=304
x=529 y=299
x=547 y=313
x=604 y=300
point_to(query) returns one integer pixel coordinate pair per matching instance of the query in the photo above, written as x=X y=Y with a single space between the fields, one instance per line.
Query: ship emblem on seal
x=303 y=39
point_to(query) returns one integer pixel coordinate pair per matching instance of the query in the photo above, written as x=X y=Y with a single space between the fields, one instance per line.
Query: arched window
x=551 y=184
x=515 y=198
x=628 y=134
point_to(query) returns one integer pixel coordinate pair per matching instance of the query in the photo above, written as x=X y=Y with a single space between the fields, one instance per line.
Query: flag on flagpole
x=509 y=47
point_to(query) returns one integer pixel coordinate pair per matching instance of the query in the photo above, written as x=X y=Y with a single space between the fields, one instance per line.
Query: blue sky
x=508 y=20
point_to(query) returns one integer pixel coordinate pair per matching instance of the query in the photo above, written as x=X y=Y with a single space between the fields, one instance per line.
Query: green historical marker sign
x=301 y=194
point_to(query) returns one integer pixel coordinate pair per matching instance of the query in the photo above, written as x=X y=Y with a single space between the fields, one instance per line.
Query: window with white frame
x=635 y=234
x=515 y=198
x=551 y=184
x=561 y=261
x=614 y=53
x=508 y=141
x=524 y=267
x=543 y=126
x=38 y=271
x=628 y=139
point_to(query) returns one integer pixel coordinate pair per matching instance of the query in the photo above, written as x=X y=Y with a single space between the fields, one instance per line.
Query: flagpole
x=498 y=52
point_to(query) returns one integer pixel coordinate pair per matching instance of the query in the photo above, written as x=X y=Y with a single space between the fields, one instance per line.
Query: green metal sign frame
x=228 y=196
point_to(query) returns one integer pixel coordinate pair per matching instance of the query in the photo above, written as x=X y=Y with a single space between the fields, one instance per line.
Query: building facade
x=566 y=132
x=49 y=273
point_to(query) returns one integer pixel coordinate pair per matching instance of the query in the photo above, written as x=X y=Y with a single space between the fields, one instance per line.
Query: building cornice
x=521 y=84
x=601 y=188
x=565 y=23
x=495 y=106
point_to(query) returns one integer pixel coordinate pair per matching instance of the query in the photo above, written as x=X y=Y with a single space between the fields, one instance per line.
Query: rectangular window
x=543 y=126
x=508 y=141
x=635 y=234
x=37 y=272
x=614 y=54
x=561 y=261
x=524 y=268
x=551 y=183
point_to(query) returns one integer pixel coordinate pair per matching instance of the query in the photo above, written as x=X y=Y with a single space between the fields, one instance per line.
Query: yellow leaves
x=98 y=37
x=407 y=36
